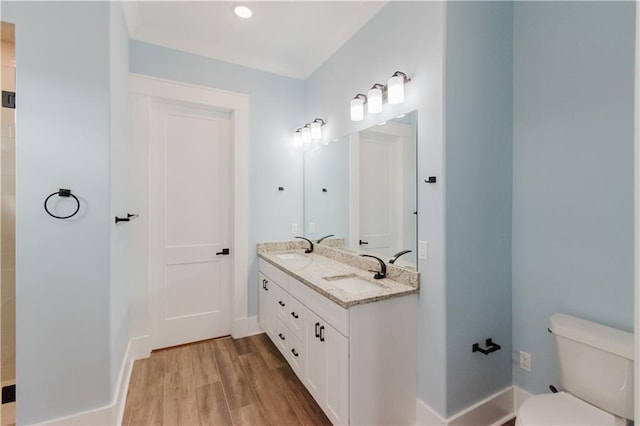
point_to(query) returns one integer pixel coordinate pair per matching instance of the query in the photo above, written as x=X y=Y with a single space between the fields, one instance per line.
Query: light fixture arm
x=361 y=96
x=404 y=76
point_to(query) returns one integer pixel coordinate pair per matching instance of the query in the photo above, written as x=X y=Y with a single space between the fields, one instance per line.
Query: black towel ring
x=62 y=193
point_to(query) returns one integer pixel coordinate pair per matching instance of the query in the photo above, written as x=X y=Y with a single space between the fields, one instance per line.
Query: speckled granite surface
x=326 y=262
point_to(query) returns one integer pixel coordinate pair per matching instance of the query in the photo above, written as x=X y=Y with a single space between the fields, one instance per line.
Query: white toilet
x=596 y=372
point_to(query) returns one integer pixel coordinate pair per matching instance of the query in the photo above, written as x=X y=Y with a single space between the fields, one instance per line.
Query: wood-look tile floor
x=223 y=381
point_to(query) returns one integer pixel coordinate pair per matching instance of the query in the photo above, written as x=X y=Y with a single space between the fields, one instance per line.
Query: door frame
x=636 y=194
x=237 y=104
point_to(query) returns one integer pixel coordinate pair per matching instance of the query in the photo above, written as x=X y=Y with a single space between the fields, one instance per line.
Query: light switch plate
x=422 y=250
x=294 y=228
x=312 y=227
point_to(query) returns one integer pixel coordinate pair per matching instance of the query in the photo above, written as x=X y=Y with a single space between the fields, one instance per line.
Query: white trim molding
x=111 y=414
x=636 y=193
x=237 y=104
x=492 y=411
x=243 y=327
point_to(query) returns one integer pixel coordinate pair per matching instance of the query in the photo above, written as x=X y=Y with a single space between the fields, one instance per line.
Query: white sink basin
x=352 y=284
x=290 y=256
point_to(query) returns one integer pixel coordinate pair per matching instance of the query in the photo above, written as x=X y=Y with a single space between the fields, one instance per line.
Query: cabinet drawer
x=281 y=303
x=295 y=356
x=274 y=273
x=295 y=317
x=281 y=336
x=331 y=312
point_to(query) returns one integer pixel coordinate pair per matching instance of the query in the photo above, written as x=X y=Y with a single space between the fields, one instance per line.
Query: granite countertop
x=312 y=269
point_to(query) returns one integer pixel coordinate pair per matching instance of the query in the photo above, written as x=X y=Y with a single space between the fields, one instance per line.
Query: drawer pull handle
x=317 y=332
x=322 y=333
x=265 y=284
x=296 y=316
x=281 y=336
x=281 y=303
x=293 y=351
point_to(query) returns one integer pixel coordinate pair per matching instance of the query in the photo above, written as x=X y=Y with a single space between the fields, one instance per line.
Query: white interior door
x=189 y=223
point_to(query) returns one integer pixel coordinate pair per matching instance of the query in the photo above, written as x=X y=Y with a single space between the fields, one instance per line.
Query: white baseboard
x=140 y=347
x=243 y=327
x=519 y=396
x=492 y=411
x=111 y=414
x=425 y=416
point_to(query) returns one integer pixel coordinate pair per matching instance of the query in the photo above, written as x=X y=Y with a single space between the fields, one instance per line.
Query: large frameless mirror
x=362 y=188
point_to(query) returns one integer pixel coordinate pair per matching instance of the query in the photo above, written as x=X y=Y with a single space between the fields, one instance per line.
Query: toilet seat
x=563 y=409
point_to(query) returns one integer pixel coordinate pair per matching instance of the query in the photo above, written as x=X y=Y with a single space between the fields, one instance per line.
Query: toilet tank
x=596 y=363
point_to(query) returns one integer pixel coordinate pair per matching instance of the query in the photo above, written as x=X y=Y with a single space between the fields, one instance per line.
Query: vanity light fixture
x=306 y=134
x=374 y=96
x=316 y=128
x=297 y=137
x=395 y=87
x=357 y=107
x=242 y=11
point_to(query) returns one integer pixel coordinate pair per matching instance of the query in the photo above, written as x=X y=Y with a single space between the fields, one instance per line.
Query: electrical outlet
x=294 y=228
x=525 y=361
x=312 y=227
x=422 y=249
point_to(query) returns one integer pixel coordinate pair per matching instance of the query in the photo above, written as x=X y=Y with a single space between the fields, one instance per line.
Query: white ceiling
x=291 y=38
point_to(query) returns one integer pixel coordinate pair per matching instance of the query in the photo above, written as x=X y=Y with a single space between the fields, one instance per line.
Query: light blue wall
x=275 y=111
x=478 y=152
x=405 y=36
x=572 y=172
x=120 y=183
x=62 y=266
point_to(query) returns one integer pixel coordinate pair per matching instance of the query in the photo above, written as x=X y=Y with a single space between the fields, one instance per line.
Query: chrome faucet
x=310 y=249
x=383 y=267
x=397 y=255
x=323 y=238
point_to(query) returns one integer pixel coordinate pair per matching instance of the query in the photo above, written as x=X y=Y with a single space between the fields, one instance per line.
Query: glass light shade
x=243 y=11
x=316 y=130
x=357 y=109
x=395 y=87
x=297 y=138
x=374 y=97
x=306 y=134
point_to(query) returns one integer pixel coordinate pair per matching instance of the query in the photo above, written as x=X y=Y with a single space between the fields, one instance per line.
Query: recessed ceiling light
x=243 y=11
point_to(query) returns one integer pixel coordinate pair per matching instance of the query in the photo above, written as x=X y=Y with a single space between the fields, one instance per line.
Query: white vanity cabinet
x=359 y=363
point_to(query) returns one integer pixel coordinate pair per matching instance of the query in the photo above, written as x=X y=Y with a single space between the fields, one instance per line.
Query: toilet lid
x=562 y=409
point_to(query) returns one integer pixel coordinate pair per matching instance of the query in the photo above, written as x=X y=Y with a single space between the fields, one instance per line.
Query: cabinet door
x=265 y=304
x=337 y=375
x=326 y=367
x=315 y=362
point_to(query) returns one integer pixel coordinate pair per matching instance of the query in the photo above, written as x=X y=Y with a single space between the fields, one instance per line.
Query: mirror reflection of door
x=379 y=194
x=383 y=198
x=7 y=226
